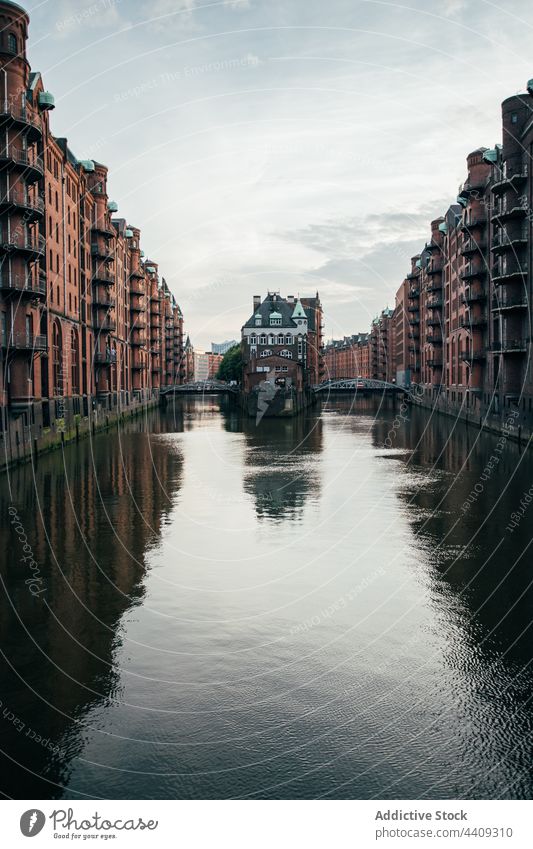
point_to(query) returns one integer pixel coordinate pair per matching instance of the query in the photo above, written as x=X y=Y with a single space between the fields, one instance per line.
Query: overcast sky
x=280 y=144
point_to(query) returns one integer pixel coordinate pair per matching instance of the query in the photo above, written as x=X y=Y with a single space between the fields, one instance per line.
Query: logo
x=32 y=822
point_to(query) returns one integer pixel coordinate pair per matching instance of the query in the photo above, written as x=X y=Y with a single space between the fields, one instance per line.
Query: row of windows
x=271 y=340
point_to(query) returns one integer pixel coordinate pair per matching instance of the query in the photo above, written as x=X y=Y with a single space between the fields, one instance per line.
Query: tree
x=231 y=366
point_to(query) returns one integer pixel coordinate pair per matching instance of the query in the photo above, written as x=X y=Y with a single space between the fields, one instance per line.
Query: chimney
x=257 y=302
x=290 y=299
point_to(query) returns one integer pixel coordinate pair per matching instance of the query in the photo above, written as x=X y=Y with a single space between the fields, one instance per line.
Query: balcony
x=511 y=178
x=414 y=321
x=103 y=230
x=474 y=323
x=33 y=208
x=138 y=325
x=434 y=338
x=17 y=115
x=413 y=293
x=21 y=284
x=434 y=269
x=29 y=243
x=14 y=158
x=475 y=356
x=471 y=246
x=434 y=362
x=105 y=358
x=473 y=187
x=518 y=302
x=473 y=222
x=139 y=366
x=138 y=341
x=434 y=286
x=102 y=253
x=137 y=274
x=510 y=273
x=471 y=273
x=413 y=308
x=104 y=324
x=511 y=209
x=434 y=322
x=101 y=275
x=413 y=275
x=510 y=346
x=136 y=307
x=509 y=241
x=103 y=300
x=475 y=297
x=434 y=303
x=24 y=342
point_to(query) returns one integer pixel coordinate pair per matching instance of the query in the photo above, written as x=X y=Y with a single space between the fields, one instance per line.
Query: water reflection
x=90 y=517
x=283 y=465
x=300 y=609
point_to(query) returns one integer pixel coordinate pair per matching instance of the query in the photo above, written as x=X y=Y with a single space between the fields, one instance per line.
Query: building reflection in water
x=90 y=516
x=282 y=464
x=460 y=487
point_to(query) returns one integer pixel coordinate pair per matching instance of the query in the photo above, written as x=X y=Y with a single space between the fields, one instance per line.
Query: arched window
x=253 y=340
x=281 y=339
x=288 y=340
x=286 y=354
x=266 y=353
x=12 y=42
x=74 y=362
x=262 y=340
x=271 y=340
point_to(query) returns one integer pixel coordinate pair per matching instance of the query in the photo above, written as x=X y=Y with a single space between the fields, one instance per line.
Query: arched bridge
x=200 y=387
x=361 y=384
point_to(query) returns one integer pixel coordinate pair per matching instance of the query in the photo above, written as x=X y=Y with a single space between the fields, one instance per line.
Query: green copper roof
x=87 y=164
x=443 y=227
x=46 y=100
x=275 y=314
x=299 y=311
x=112 y=206
x=129 y=234
x=491 y=155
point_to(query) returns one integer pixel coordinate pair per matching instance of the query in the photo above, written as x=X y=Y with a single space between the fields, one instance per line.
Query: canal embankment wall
x=49 y=425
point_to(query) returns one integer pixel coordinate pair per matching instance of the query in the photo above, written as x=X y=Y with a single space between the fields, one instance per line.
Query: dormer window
x=12 y=42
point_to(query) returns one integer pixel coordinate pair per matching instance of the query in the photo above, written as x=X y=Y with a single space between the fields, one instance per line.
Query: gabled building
x=282 y=342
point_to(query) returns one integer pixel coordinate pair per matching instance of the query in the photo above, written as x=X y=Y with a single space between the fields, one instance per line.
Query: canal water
x=335 y=606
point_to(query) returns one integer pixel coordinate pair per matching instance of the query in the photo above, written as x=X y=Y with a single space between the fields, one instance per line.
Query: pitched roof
x=273 y=303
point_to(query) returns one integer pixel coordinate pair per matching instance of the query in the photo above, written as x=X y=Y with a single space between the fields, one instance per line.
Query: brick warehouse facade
x=462 y=323
x=87 y=327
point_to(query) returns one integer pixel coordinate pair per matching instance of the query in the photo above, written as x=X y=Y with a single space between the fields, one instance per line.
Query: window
x=262 y=339
x=271 y=340
x=275 y=322
x=286 y=354
x=288 y=340
x=258 y=322
x=281 y=339
x=253 y=339
x=12 y=42
x=266 y=353
x=514 y=117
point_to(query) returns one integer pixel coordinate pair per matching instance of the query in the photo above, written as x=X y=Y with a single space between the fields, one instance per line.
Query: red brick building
x=77 y=304
x=282 y=341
